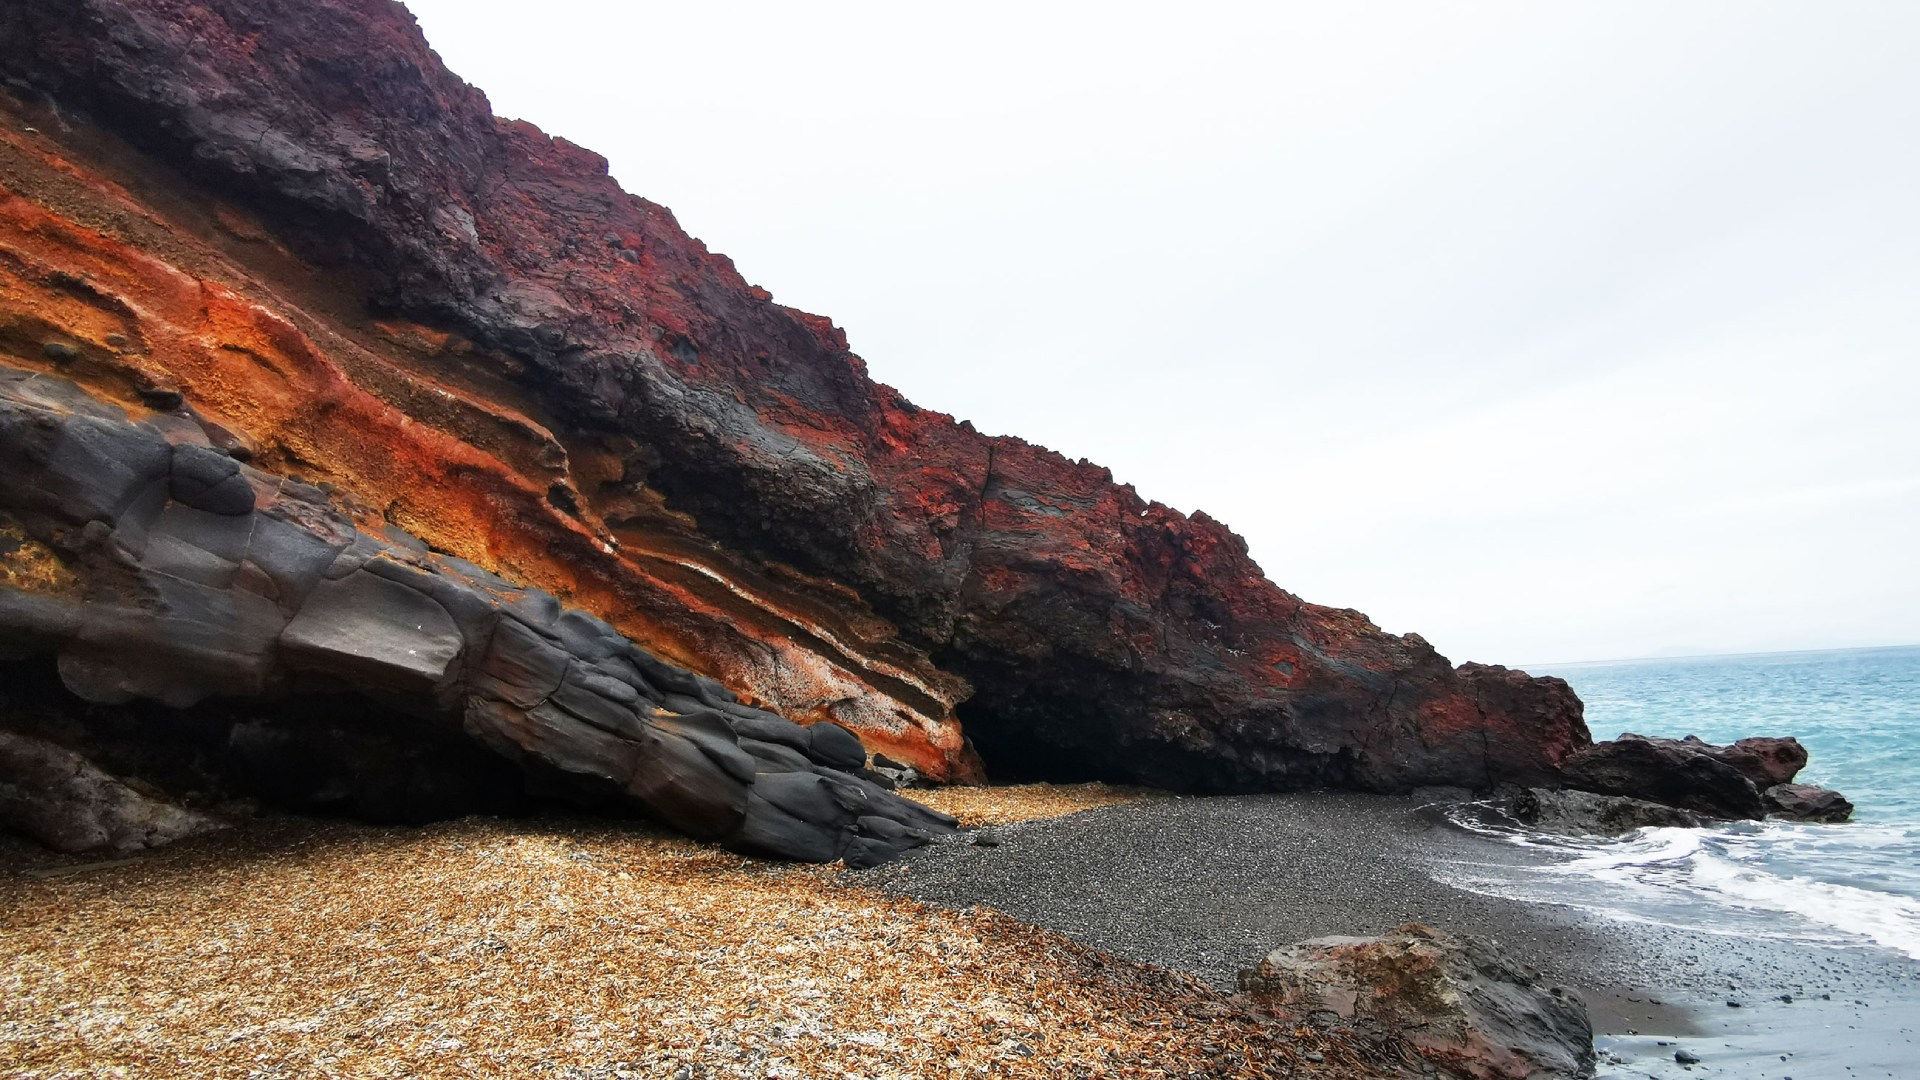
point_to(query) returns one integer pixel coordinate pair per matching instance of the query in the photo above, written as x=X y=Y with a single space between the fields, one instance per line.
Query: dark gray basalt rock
x=201 y=578
x=1636 y=781
x=1806 y=802
x=1687 y=773
x=1586 y=813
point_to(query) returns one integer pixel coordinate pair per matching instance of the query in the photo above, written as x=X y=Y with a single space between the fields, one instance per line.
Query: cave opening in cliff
x=1017 y=752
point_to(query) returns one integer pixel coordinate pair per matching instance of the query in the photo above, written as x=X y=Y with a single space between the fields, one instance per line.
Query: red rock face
x=562 y=386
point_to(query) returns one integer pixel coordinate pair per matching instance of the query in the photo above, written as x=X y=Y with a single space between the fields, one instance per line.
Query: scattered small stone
x=116 y=341
x=684 y=1072
x=1788 y=998
x=1732 y=1004
x=59 y=351
x=240 y=452
x=1686 y=1057
x=986 y=838
x=1316 y=1056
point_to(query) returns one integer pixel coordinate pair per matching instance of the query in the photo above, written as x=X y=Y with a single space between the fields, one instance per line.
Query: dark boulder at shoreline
x=1807 y=802
x=1566 y=810
x=1696 y=776
x=1457 y=1001
x=1671 y=771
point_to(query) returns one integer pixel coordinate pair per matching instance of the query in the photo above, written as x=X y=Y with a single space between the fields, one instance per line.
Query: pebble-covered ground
x=1209 y=885
x=568 y=948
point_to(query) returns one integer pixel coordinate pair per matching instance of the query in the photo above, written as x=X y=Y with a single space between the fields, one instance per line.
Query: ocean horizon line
x=1676 y=657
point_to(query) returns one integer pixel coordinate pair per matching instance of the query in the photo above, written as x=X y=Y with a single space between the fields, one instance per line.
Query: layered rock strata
x=290 y=216
x=179 y=574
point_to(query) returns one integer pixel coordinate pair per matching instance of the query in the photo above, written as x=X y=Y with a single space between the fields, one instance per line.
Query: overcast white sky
x=1551 y=331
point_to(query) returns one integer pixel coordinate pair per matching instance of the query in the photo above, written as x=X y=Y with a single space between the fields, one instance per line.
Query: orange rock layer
x=132 y=288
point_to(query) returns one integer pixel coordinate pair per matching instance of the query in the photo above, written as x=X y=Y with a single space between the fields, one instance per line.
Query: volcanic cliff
x=323 y=384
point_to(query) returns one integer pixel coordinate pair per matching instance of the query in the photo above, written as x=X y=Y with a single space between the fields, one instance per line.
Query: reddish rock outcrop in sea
x=288 y=219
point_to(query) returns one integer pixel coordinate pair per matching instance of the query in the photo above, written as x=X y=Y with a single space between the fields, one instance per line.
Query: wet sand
x=1207 y=886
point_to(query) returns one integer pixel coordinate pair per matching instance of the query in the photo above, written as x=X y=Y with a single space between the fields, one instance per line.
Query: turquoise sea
x=1858 y=713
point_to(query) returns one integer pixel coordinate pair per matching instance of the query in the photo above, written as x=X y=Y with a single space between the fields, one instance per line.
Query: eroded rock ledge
x=178 y=574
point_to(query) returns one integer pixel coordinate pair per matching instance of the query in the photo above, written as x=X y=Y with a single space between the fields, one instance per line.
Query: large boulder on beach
x=1456 y=1001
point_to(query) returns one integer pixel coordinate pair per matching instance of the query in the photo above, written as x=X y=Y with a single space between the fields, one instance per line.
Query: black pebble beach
x=1208 y=885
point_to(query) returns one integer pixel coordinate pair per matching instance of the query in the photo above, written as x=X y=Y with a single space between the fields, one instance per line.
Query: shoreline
x=1208 y=885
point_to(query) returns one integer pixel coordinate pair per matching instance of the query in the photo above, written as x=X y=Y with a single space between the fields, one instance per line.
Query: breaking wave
x=1835 y=884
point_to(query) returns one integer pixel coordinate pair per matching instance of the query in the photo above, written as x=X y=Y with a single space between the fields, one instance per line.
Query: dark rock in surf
x=1807 y=802
x=1748 y=779
x=1586 y=813
x=1688 y=774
